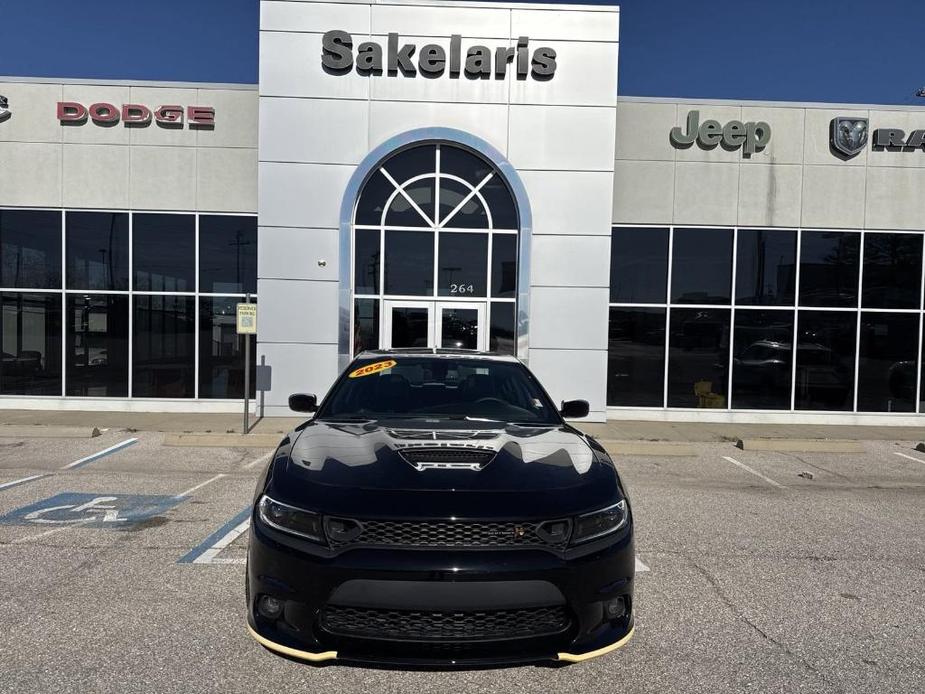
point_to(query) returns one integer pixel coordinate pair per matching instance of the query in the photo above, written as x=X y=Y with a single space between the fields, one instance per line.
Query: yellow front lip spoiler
x=292 y=652
x=332 y=655
x=579 y=657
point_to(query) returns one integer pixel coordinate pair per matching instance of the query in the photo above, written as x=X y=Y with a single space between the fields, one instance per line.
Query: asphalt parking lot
x=121 y=570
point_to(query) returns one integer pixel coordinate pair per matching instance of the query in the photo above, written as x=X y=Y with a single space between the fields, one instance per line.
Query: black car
x=437 y=510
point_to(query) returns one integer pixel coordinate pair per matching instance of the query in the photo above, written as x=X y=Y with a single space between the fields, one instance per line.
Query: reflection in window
x=164 y=252
x=30 y=249
x=638 y=265
x=459 y=328
x=414 y=205
x=503 y=266
x=164 y=347
x=409 y=263
x=97 y=345
x=463 y=268
x=30 y=338
x=762 y=360
x=702 y=266
x=636 y=357
x=365 y=325
x=825 y=360
x=829 y=268
x=459 y=208
x=892 y=270
x=221 y=351
x=97 y=251
x=366 y=253
x=888 y=362
x=501 y=332
x=698 y=358
x=227 y=254
x=766 y=267
x=410 y=327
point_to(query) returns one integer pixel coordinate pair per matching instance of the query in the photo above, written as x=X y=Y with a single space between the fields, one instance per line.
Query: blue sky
x=790 y=50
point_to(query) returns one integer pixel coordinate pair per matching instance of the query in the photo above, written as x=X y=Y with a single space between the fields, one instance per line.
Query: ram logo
x=4 y=108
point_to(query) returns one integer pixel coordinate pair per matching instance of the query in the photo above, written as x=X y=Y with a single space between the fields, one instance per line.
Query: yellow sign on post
x=247 y=319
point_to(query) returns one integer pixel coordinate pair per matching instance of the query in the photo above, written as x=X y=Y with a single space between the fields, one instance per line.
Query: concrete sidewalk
x=54 y=422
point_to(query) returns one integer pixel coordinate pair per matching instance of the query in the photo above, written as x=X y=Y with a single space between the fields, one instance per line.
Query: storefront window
x=30 y=338
x=30 y=249
x=638 y=265
x=762 y=363
x=502 y=337
x=702 y=266
x=163 y=347
x=825 y=360
x=765 y=267
x=227 y=254
x=97 y=345
x=367 y=252
x=409 y=263
x=888 y=362
x=829 y=266
x=463 y=270
x=698 y=358
x=504 y=265
x=636 y=357
x=97 y=251
x=365 y=325
x=164 y=252
x=221 y=351
x=892 y=271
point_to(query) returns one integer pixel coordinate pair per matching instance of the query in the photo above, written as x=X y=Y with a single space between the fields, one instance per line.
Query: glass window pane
x=892 y=270
x=766 y=267
x=402 y=212
x=829 y=268
x=463 y=164
x=227 y=254
x=503 y=266
x=762 y=360
x=702 y=266
x=221 y=351
x=30 y=339
x=97 y=251
x=365 y=325
x=825 y=360
x=459 y=328
x=30 y=249
x=463 y=264
x=888 y=364
x=638 y=266
x=366 y=261
x=502 y=334
x=636 y=357
x=404 y=166
x=471 y=215
x=698 y=358
x=375 y=195
x=97 y=345
x=409 y=263
x=410 y=327
x=500 y=204
x=163 y=356
x=164 y=252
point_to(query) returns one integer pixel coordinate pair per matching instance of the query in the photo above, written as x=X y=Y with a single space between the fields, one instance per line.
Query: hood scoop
x=450 y=435
x=468 y=459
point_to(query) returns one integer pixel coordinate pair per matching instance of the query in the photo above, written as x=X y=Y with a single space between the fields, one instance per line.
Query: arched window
x=435 y=252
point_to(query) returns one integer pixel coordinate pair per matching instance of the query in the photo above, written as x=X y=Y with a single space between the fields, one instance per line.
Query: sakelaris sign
x=433 y=60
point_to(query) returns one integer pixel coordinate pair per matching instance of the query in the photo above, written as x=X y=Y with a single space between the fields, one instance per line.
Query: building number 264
x=462 y=289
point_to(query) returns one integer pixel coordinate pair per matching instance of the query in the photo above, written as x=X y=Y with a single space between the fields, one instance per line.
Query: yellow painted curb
x=292 y=652
x=579 y=657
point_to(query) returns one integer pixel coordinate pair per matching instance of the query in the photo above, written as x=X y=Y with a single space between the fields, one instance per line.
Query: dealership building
x=465 y=175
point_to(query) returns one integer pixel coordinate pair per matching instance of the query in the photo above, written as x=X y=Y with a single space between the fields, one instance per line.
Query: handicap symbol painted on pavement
x=93 y=510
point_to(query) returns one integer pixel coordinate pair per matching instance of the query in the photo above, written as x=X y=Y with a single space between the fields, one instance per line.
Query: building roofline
x=129 y=83
x=767 y=104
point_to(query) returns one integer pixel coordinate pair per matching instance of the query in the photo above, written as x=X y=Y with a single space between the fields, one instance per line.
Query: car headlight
x=290 y=519
x=598 y=523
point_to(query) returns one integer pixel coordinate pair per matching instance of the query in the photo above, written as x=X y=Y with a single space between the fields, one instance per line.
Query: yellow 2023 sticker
x=371 y=369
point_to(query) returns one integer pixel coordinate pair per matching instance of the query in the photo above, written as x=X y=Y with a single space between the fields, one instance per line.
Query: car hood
x=383 y=469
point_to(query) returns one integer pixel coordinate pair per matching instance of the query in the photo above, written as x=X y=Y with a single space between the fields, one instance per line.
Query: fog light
x=269 y=607
x=614 y=608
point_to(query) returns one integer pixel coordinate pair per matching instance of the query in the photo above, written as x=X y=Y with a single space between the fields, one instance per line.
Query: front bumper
x=310 y=579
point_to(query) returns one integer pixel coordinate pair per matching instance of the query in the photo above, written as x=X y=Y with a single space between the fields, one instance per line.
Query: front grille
x=458 y=456
x=467 y=534
x=413 y=625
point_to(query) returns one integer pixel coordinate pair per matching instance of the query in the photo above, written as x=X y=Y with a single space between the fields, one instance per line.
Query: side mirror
x=575 y=409
x=303 y=402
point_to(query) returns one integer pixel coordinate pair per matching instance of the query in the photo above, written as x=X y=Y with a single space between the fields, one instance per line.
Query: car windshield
x=439 y=388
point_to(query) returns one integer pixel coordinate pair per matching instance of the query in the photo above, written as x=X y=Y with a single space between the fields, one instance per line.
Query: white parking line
x=209 y=556
x=754 y=472
x=100 y=454
x=255 y=463
x=640 y=567
x=199 y=486
x=53 y=531
x=909 y=457
x=7 y=485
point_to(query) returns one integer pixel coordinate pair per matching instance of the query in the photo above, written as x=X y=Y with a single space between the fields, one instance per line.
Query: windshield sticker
x=371 y=369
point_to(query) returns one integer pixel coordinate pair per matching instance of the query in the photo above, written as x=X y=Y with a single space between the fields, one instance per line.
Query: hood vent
x=471 y=459
x=425 y=435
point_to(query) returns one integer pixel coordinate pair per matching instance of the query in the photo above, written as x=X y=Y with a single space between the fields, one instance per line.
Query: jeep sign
x=751 y=136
